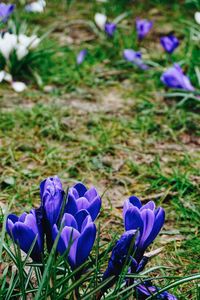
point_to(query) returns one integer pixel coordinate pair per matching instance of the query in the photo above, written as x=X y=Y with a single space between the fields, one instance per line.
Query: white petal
x=34 y=42
x=36 y=7
x=197 y=17
x=18 y=86
x=2 y=75
x=7 y=44
x=28 y=41
x=7 y=77
x=100 y=20
x=21 y=51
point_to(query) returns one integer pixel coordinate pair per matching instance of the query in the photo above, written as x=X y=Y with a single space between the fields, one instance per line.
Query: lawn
x=109 y=123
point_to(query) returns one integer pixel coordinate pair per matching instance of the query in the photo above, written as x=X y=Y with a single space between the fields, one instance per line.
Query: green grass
x=108 y=124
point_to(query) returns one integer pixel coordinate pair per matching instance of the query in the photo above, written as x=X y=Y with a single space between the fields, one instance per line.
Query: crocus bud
x=81 y=56
x=143 y=27
x=110 y=29
x=169 y=43
x=175 y=78
x=51 y=194
x=5 y=11
x=100 y=20
x=36 y=7
x=197 y=17
x=135 y=58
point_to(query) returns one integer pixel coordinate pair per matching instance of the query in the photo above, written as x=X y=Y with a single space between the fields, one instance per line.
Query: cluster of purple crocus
x=172 y=77
x=70 y=217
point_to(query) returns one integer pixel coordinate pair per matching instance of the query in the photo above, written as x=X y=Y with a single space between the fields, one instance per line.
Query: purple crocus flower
x=51 y=194
x=175 y=78
x=169 y=43
x=81 y=56
x=110 y=29
x=5 y=11
x=134 y=57
x=146 y=219
x=143 y=27
x=143 y=291
x=77 y=237
x=24 y=229
x=79 y=197
x=119 y=254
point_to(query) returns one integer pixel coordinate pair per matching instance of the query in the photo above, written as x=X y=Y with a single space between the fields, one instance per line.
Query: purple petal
x=158 y=223
x=133 y=220
x=25 y=236
x=81 y=56
x=129 y=203
x=91 y=194
x=135 y=201
x=52 y=197
x=85 y=244
x=131 y=55
x=5 y=11
x=110 y=29
x=94 y=208
x=22 y=217
x=81 y=189
x=82 y=203
x=174 y=78
x=148 y=223
x=169 y=43
x=86 y=222
x=11 y=220
x=70 y=236
x=143 y=27
x=80 y=217
x=69 y=220
x=71 y=206
x=30 y=221
x=151 y=205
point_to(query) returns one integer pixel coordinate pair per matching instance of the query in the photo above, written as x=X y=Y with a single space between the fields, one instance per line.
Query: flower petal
x=71 y=206
x=25 y=236
x=80 y=217
x=91 y=194
x=82 y=203
x=69 y=220
x=85 y=244
x=133 y=219
x=81 y=189
x=158 y=223
x=94 y=208
x=148 y=218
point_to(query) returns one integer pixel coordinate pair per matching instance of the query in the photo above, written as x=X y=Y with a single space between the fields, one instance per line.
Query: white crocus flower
x=30 y=42
x=36 y=7
x=5 y=76
x=100 y=20
x=197 y=17
x=8 y=43
x=18 y=86
x=21 y=51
